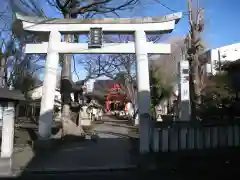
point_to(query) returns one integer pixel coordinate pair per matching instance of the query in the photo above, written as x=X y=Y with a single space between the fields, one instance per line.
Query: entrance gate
x=139 y=27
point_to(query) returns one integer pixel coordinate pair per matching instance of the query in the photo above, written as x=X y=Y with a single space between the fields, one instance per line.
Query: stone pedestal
x=5 y=167
x=7 y=139
x=8 y=131
x=136 y=120
x=84 y=119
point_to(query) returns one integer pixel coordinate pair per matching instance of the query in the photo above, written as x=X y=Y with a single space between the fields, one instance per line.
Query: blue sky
x=220 y=16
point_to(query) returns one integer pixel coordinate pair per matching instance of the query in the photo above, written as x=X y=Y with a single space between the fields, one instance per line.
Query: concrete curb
x=116 y=134
x=120 y=125
x=5 y=166
x=73 y=170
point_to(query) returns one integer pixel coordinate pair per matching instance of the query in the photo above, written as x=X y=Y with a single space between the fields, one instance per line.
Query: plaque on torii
x=139 y=27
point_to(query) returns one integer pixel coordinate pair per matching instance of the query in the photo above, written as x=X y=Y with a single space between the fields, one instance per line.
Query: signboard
x=184 y=106
x=89 y=85
x=184 y=80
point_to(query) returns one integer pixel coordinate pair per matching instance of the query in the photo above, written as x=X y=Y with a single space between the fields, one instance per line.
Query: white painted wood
x=191 y=138
x=230 y=136
x=222 y=136
x=8 y=131
x=173 y=139
x=214 y=134
x=236 y=135
x=165 y=141
x=183 y=138
x=49 y=86
x=108 y=48
x=207 y=137
x=143 y=89
x=93 y=21
x=156 y=140
x=199 y=138
x=77 y=28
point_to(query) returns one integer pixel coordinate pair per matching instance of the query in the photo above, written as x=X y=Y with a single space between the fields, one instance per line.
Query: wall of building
x=223 y=54
x=37 y=94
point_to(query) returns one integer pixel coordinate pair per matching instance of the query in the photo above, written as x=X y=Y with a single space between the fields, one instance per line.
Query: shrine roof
x=104 y=85
x=6 y=94
x=157 y=19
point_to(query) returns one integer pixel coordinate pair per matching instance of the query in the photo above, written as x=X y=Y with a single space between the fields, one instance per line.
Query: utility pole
x=193 y=45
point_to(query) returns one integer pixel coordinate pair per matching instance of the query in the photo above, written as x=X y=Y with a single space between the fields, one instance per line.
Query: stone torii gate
x=139 y=27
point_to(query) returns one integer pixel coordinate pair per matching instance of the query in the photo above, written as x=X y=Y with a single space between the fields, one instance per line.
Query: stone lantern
x=8 y=112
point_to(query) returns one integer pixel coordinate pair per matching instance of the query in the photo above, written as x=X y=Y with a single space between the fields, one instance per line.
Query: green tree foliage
x=218 y=97
x=24 y=83
x=159 y=89
x=156 y=89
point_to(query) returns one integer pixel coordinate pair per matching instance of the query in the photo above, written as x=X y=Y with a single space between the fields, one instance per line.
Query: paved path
x=109 y=150
x=107 y=128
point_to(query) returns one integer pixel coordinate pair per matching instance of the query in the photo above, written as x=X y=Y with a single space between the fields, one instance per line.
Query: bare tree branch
x=88 y=9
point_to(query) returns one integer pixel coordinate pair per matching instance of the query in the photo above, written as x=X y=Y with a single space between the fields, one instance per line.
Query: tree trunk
x=192 y=89
x=69 y=127
x=2 y=71
x=197 y=81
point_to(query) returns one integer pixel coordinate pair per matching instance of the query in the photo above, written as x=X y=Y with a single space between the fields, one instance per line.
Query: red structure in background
x=114 y=94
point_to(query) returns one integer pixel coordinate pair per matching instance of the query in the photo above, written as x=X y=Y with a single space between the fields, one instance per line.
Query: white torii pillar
x=143 y=89
x=141 y=47
x=49 y=87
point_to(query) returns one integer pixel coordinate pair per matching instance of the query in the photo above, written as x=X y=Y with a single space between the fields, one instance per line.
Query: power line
x=170 y=9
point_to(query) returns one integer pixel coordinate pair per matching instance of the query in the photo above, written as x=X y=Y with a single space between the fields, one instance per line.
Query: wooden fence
x=182 y=136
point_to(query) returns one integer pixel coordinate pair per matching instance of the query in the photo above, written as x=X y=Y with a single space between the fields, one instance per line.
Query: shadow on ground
x=104 y=151
x=117 y=158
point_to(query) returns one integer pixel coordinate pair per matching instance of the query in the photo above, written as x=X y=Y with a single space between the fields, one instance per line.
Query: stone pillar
x=49 y=87
x=8 y=131
x=143 y=90
x=84 y=119
x=184 y=104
